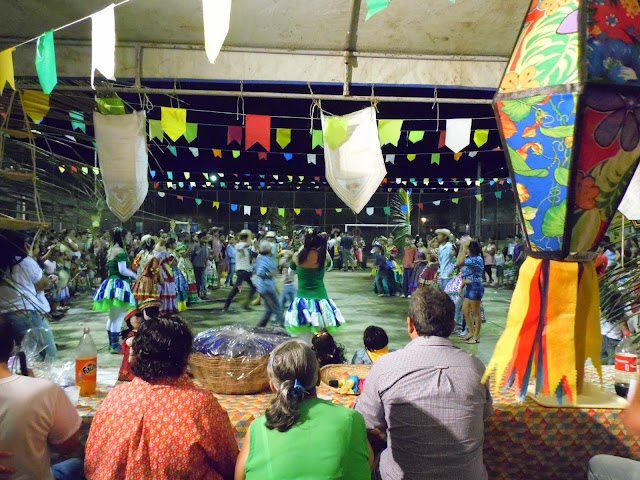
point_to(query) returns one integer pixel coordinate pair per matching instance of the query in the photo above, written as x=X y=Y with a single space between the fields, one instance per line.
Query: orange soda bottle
x=86 y=364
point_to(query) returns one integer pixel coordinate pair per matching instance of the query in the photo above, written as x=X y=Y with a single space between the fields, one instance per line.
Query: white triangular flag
x=369 y=211
x=103 y=43
x=468 y=180
x=311 y=158
x=71 y=137
x=398 y=180
x=426 y=181
x=247 y=210
x=276 y=177
x=458 y=133
x=473 y=154
x=630 y=205
x=194 y=151
x=193 y=184
x=221 y=175
x=436 y=203
x=187 y=175
x=161 y=194
x=216 y=15
x=390 y=159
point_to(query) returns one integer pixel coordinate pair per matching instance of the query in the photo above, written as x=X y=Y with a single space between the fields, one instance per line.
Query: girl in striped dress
x=167 y=285
x=181 y=282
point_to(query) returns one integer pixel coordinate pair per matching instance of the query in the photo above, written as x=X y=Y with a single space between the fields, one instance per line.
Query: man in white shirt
x=35 y=417
x=445 y=256
x=243 y=269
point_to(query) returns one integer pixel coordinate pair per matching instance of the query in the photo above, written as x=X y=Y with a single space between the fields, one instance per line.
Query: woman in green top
x=114 y=294
x=312 y=309
x=301 y=436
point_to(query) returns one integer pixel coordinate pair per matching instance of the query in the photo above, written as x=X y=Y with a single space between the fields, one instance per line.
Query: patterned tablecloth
x=522 y=440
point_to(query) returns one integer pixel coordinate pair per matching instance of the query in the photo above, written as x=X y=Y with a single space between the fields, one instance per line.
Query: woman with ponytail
x=302 y=436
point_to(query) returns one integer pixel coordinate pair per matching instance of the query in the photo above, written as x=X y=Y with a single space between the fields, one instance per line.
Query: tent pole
x=622 y=241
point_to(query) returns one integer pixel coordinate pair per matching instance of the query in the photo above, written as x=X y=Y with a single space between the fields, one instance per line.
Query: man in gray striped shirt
x=426 y=400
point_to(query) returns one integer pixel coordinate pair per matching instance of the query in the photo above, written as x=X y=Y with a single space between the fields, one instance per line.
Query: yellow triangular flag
x=216 y=204
x=85 y=170
x=263 y=210
x=6 y=69
x=296 y=211
x=35 y=104
x=174 y=122
x=206 y=175
x=480 y=137
x=457 y=156
x=283 y=137
x=61 y=169
x=411 y=157
x=96 y=171
x=217 y=153
x=187 y=175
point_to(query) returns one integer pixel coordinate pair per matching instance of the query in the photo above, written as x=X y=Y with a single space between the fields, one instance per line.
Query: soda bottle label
x=626 y=362
x=86 y=375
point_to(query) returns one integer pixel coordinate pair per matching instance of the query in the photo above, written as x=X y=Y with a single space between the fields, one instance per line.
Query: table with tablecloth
x=523 y=440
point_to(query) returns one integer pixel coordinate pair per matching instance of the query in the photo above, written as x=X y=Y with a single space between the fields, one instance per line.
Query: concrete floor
x=352 y=292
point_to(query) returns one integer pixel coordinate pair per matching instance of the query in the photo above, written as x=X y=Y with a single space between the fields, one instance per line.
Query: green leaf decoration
x=560 y=131
x=529 y=213
x=520 y=167
x=518 y=110
x=612 y=178
x=585 y=230
x=554 y=220
x=336 y=132
x=562 y=176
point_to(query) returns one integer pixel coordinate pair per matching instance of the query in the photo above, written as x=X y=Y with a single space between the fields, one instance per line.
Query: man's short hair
x=161 y=349
x=432 y=312
x=6 y=339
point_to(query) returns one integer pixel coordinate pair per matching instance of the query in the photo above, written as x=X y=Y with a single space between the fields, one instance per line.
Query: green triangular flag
x=416 y=135
x=199 y=201
x=335 y=132
x=281 y=212
x=283 y=136
x=46 y=62
x=387 y=210
x=191 y=132
x=389 y=131
x=411 y=157
x=479 y=197
x=435 y=158
x=155 y=130
x=316 y=139
x=498 y=194
x=480 y=137
x=173 y=150
x=375 y=6
x=77 y=121
x=455 y=200
x=290 y=177
x=235 y=153
x=111 y=106
x=338 y=210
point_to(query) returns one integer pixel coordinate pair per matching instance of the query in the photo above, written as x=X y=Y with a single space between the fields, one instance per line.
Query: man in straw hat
x=243 y=268
x=445 y=256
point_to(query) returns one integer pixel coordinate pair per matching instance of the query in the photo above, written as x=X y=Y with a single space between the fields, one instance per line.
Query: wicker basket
x=329 y=372
x=231 y=376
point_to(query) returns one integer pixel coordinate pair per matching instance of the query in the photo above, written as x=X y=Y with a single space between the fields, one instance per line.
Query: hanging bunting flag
x=509 y=181
x=174 y=122
x=262 y=184
x=170 y=175
x=416 y=136
x=501 y=182
x=290 y=177
x=316 y=139
x=479 y=197
x=421 y=206
x=288 y=156
x=437 y=203
x=192 y=184
x=375 y=6
x=425 y=181
x=235 y=153
x=338 y=210
x=258 y=130
x=301 y=178
x=435 y=158
x=35 y=104
x=311 y=158
x=46 y=62
x=296 y=211
x=281 y=212
x=455 y=200
x=458 y=133
x=492 y=182
x=181 y=184
x=205 y=175
x=234 y=207
x=414 y=182
x=208 y=184
x=216 y=205
x=234 y=134
x=187 y=175
x=316 y=179
x=70 y=137
x=155 y=130
x=194 y=151
x=161 y=194
x=173 y=150
x=103 y=43
x=441 y=140
x=478 y=183
x=468 y=180
x=318 y=211
x=275 y=177
x=390 y=159
x=335 y=131
x=191 y=132
x=217 y=153
x=457 y=156
x=96 y=171
x=61 y=169
x=111 y=105
x=216 y=15
x=77 y=121
x=398 y=181
x=247 y=210
x=74 y=169
x=263 y=210
x=283 y=137
x=411 y=157
x=262 y=155
x=387 y=210
x=389 y=131
x=369 y=211
x=152 y=173
x=440 y=181
x=473 y=154
x=480 y=137
x=498 y=195
x=6 y=69
x=198 y=201
x=180 y=197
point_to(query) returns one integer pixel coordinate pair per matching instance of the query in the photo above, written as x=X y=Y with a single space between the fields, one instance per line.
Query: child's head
x=326 y=349
x=375 y=338
x=150 y=309
x=133 y=320
x=265 y=248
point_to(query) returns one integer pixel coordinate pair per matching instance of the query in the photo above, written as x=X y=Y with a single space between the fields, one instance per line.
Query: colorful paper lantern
x=568 y=110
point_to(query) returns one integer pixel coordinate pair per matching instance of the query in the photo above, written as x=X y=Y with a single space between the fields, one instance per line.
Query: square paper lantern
x=568 y=110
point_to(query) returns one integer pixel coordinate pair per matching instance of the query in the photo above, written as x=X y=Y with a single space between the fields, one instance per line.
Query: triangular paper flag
x=389 y=131
x=263 y=210
x=70 y=137
x=191 y=132
x=74 y=169
x=441 y=139
x=288 y=156
x=411 y=157
x=290 y=177
x=77 y=121
x=421 y=206
x=234 y=134
x=390 y=159
x=338 y=210
x=457 y=156
x=216 y=205
x=35 y=104
x=296 y=211
x=375 y=6
x=170 y=175
x=103 y=43
x=152 y=173
x=110 y=105
x=187 y=175
x=335 y=131
x=161 y=194
x=194 y=151
x=318 y=211
x=235 y=153
x=478 y=183
x=61 y=169
x=311 y=158
x=387 y=210
x=275 y=177
x=468 y=180
x=216 y=15
x=217 y=153
x=174 y=122
x=6 y=69
x=247 y=210
x=316 y=139
x=198 y=201
x=262 y=155
x=205 y=175
x=458 y=133
x=155 y=130
x=173 y=150
x=437 y=203
x=455 y=200
x=180 y=197
x=435 y=158
x=480 y=137
x=479 y=197
x=283 y=137
x=498 y=194
x=301 y=178
x=425 y=181
x=96 y=171
x=258 y=130
x=234 y=207
x=369 y=211
x=281 y=212
x=416 y=135
x=473 y=154
x=46 y=62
